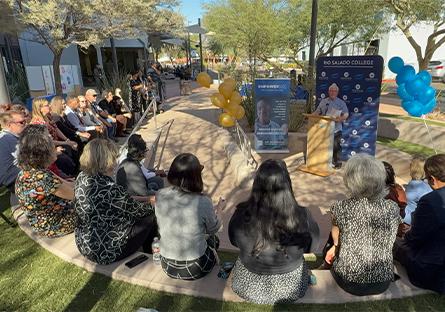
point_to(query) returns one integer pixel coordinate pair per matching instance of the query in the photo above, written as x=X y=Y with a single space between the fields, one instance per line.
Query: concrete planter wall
x=414 y=132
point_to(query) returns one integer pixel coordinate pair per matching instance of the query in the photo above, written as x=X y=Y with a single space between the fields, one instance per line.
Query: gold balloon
x=218 y=100
x=236 y=111
x=236 y=98
x=231 y=82
x=226 y=90
x=226 y=120
x=204 y=80
x=209 y=79
x=239 y=113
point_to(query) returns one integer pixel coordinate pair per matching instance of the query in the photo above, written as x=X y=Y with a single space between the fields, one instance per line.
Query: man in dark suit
x=422 y=251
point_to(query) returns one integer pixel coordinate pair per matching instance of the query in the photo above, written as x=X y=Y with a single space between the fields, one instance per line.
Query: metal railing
x=245 y=145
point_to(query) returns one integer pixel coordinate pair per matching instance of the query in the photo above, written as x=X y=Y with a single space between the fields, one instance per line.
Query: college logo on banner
x=359 y=81
x=272 y=98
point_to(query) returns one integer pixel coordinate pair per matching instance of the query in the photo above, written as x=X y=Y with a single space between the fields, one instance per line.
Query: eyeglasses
x=94 y=95
x=21 y=122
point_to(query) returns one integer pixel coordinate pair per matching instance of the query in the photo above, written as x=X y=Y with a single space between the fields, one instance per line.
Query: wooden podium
x=320 y=142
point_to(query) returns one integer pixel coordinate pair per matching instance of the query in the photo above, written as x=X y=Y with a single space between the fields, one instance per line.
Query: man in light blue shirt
x=71 y=112
x=334 y=107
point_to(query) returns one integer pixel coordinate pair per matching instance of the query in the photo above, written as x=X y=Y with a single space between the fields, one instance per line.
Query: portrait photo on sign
x=271 y=127
x=271 y=115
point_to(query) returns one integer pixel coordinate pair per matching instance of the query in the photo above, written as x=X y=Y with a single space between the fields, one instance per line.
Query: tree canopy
x=409 y=13
x=60 y=23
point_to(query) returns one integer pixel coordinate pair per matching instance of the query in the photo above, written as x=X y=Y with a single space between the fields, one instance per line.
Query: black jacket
x=426 y=238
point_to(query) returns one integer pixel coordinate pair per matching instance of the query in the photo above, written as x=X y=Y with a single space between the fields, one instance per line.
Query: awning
x=174 y=41
x=196 y=29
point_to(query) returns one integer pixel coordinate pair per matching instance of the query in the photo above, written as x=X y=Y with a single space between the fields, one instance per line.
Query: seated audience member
x=72 y=115
x=121 y=109
x=22 y=109
x=108 y=106
x=45 y=198
x=364 y=229
x=422 y=251
x=272 y=232
x=106 y=119
x=396 y=191
x=6 y=106
x=57 y=116
x=12 y=124
x=67 y=159
x=86 y=114
x=123 y=106
x=111 y=224
x=187 y=222
x=133 y=176
x=415 y=189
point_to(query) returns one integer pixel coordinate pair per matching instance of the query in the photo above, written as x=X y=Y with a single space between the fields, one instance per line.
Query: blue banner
x=358 y=79
x=272 y=115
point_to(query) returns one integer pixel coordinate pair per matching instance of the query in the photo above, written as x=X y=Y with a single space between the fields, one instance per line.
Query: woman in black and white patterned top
x=111 y=224
x=364 y=230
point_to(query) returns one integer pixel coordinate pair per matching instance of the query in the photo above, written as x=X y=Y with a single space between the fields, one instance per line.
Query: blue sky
x=192 y=9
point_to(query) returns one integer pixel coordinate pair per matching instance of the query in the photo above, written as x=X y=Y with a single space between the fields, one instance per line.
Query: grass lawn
x=33 y=279
x=407 y=147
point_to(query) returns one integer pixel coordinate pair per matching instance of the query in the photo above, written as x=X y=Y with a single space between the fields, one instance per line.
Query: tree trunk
x=423 y=62
x=114 y=57
x=56 y=71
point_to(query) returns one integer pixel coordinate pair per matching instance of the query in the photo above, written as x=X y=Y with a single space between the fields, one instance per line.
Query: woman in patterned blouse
x=45 y=198
x=364 y=229
x=111 y=224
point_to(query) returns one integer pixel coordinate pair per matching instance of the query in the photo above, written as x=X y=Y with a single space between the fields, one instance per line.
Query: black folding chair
x=5 y=204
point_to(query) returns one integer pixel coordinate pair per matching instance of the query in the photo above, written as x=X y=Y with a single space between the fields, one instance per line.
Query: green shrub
x=17 y=83
x=111 y=82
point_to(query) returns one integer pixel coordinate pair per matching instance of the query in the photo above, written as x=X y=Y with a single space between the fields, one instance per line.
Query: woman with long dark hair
x=272 y=232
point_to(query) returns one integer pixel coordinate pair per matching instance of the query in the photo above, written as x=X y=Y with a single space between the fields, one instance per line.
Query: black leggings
x=141 y=235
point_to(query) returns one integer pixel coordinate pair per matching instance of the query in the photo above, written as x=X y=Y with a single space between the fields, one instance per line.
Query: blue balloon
x=415 y=109
x=407 y=73
x=415 y=86
x=425 y=76
x=401 y=91
x=429 y=107
x=407 y=105
x=427 y=95
x=395 y=64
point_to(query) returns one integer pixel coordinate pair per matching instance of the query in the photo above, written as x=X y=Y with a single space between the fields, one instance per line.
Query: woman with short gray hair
x=364 y=228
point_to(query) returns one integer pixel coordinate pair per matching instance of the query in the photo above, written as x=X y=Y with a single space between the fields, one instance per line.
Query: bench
x=149 y=275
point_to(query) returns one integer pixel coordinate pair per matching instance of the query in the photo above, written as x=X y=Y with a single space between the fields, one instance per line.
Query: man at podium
x=334 y=107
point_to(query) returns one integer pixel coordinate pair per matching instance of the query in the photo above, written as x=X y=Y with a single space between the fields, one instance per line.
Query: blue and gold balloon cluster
x=418 y=97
